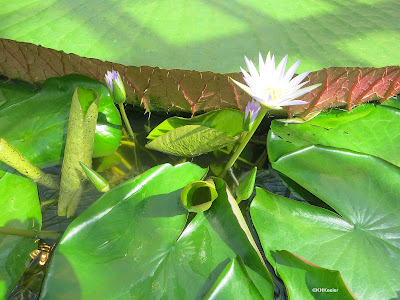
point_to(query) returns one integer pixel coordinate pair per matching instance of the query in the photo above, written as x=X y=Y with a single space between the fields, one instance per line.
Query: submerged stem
x=126 y=121
x=130 y=132
x=30 y=233
x=243 y=142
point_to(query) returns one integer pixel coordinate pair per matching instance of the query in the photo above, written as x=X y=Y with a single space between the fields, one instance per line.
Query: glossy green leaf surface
x=211 y=35
x=110 y=243
x=246 y=185
x=362 y=242
x=304 y=280
x=366 y=129
x=36 y=125
x=225 y=120
x=12 y=92
x=20 y=209
x=232 y=282
x=191 y=140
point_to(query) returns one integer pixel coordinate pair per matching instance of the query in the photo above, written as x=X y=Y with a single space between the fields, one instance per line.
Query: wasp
x=44 y=251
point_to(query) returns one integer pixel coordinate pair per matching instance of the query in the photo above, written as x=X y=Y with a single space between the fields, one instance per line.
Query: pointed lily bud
x=116 y=86
x=98 y=181
x=250 y=115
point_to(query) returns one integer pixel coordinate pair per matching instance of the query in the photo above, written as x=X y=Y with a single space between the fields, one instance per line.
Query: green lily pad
x=20 y=209
x=36 y=125
x=304 y=280
x=12 y=92
x=191 y=140
x=361 y=241
x=107 y=253
x=234 y=281
x=366 y=129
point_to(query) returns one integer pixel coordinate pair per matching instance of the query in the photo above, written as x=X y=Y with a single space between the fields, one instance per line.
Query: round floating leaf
x=191 y=140
x=361 y=241
x=36 y=126
x=198 y=196
x=12 y=92
x=133 y=243
x=366 y=129
x=20 y=209
x=234 y=281
x=305 y=280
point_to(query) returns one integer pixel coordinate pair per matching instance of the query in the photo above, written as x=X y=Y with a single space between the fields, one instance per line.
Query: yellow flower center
x=276 y=94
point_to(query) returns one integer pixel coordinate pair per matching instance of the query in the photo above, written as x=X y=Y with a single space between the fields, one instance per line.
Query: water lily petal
x=290 y=72
x=293 y=102
x=303 y=91
x=280 y=70
x=252 y=69
x=243 y=87
x=299 y=78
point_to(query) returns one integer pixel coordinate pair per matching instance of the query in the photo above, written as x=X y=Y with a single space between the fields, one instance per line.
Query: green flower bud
x=98 y=181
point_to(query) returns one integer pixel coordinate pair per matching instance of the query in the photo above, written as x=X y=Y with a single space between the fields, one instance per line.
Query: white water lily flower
x=271 y=86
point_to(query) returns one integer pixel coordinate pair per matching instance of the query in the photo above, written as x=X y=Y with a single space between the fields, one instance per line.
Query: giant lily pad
x=210 y=35
x=20 y=209
x=107 y=253
x=194 y=91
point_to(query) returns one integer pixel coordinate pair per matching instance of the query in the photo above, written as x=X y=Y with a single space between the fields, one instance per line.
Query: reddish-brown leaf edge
x=191 y=91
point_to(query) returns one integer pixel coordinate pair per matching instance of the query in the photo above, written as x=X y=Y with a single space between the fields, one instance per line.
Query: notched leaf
x=180 y=91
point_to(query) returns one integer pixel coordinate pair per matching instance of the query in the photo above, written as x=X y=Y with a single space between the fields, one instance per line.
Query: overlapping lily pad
x=36 y=124
x=361 y=241
x=370 y=129
x=234 y=282
x=20 y=209
x=134 y=239
x=174 y=90
x=307 y=281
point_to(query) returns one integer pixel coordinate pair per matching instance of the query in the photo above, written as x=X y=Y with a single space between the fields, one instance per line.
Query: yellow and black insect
x=44 y=251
